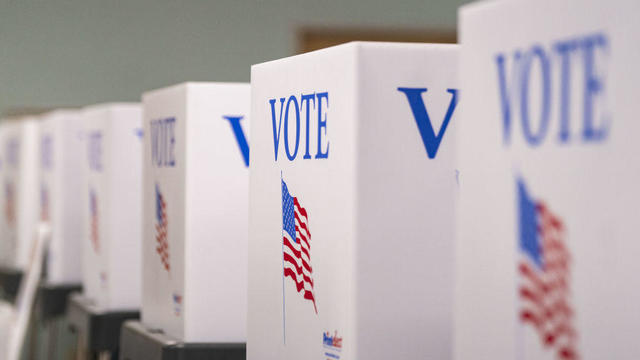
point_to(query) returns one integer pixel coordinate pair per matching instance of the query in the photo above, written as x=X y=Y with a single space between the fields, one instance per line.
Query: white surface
x=112 y=263
x=62 y=171
x=591 y=185
x=20 y=171
x=380 y=212
x=194 y=161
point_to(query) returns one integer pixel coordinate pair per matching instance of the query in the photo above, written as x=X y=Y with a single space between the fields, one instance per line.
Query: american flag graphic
x=94 y=226
x=544 y=277
x=10 y=204
x=162 y=247
x=296 y=239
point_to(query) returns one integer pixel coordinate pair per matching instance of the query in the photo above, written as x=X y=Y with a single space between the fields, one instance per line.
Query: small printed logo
x=544 y=276
x=10 y=204
x=177 y=303
x=44 y=203
x=94 y=228
x=103 y=279
x=332 y=344
x=296 y=249
x=162 y=245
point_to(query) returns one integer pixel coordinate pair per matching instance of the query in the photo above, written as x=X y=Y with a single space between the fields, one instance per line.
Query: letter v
x=429 y=139
x=276 y=134
x=242 y=140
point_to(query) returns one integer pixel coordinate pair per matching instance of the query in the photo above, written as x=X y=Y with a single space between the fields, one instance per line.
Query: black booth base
x=9 y=283
x=139 y=343
x=51 y=301
x=98 y=330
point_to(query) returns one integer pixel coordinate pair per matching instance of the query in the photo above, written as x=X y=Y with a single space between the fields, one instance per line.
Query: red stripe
x=540 y=285
x=547 y=312
x=557 y=266
x=299 y=284
x=309 y=295
x=531 y=295
x=297 y=253
x=300 y=208
x=567 y=353
x=303 y=225
x=292 y=261
x=305 y=251
x=306 y=242
x=554 y=245
x=529 y=316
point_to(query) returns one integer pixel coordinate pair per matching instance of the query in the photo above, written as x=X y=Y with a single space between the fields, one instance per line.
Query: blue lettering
x=322 y=124
x=46 y=148
x=293 y=107
x=564 y=50
x=291 y=156
x=240 y=137
x=308 y=98
x=593 y=86
x=95 y=151
x=163 y=142
x=505 y=98
x=276 y=134
x=430 y=140
x=592 y=48
x=530 y=136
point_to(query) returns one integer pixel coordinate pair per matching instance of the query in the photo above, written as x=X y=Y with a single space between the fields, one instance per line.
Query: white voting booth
x=23 y=237
x=20 y=190
x=196 y=159
x=547 y=248
x=62 y=168
x=112 y=205
x=352 y=190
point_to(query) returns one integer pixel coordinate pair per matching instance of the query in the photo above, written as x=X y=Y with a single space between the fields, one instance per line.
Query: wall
x=78 y=52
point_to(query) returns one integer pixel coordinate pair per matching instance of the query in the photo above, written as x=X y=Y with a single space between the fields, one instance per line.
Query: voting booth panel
x=113 y=205
x=5 y=232
x=62 y=168
x=20 y=190
x=547 y=245
x=196 y=159
x=352 y=190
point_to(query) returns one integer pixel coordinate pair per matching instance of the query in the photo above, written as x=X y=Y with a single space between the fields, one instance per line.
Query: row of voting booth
x=365 y=201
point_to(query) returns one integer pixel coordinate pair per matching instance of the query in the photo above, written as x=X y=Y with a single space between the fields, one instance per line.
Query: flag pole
x=284 y=324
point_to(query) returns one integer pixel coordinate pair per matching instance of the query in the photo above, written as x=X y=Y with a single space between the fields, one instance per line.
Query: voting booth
x=352 y=191
x=547 y=245
x=113 y=202
x=62 y=169
x=111 y=197
x=20 y=182
x=61 y=161
x=196 y=158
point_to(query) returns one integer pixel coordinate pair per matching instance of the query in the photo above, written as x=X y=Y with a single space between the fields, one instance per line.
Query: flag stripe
x=299 y=271
x=297 y=254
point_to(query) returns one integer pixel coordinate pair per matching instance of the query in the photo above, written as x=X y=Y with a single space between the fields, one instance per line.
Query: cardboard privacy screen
x=20 y=190
x=112 y=203
x=196 y=158
x=62 y=174
x=547 y=248
x=352 y=187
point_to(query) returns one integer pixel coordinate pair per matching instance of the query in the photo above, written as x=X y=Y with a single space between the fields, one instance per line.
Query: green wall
x=79 y=52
